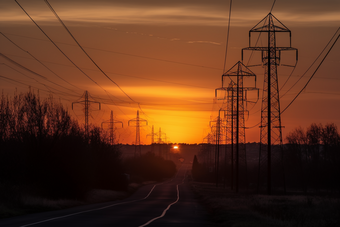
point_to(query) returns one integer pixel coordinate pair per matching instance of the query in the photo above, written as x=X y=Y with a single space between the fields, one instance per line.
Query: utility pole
x=112 y=123
x=137 y=122
x=270 y=128
x=86 y=102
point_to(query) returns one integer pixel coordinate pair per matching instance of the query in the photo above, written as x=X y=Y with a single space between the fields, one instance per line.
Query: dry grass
x=241 y=210
x=23 y=204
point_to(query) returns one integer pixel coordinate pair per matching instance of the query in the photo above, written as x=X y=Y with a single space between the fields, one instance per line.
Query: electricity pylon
x=152 y=134
x=112 y=124
x=86 y=102
x=239 y=71
x=160 y=134
x=270 y=128
x=160 y=141
x=138 y=123
x=236 y=96
x=216 y=128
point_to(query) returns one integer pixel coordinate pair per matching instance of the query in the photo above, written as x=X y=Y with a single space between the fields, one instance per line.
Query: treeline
x=312 y=158
x=44 y=152
x=309 y=162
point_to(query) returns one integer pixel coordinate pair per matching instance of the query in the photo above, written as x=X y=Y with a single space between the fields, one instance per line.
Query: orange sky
x=167 y=56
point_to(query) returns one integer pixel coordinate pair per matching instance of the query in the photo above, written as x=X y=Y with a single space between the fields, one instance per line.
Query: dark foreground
x=170 y=203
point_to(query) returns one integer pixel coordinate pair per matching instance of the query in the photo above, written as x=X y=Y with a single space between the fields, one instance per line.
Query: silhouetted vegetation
x=44 y=152
x=149 y=167
x=200 y=173
x=312 y=158
x=309 y=163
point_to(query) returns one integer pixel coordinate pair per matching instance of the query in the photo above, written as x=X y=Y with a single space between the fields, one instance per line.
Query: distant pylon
x=234 y=107
x=152 y=134
x=160 y=141
x=112 y=124
x=138 y=123
x=237 y=99
x=160 y=135
x=270 y=128
x=86 y=102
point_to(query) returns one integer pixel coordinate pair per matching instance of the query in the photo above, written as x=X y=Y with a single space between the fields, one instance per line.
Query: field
x=247 y=210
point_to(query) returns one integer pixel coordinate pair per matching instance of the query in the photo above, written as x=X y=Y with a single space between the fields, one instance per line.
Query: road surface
x=170 y=203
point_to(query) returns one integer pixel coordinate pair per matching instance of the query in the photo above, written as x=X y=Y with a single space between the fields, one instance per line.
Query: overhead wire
x=126 y=54
x=126 y=75
x=307 y=71
x=57 y=16
x=225 y=56
x=28 y=85
x=48 y=87
x=31 y=71
x=15 y=44
x=290 y=75
x=311 y=77
x=61 y=50
x=227 y=42
x=316 y=59
x=75 y=40
x=273 y=6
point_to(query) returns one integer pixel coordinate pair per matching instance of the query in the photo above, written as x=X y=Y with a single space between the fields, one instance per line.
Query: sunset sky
x=168 y=57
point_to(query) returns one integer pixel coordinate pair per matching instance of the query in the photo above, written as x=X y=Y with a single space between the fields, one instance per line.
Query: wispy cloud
x=205 y=42
x=173 y=13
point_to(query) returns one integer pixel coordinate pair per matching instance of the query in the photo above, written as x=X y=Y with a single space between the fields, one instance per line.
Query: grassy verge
x=25 y=204
x=243 y=210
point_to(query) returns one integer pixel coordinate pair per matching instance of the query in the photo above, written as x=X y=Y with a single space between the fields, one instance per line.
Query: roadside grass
x=240 y=210
x=15 y=204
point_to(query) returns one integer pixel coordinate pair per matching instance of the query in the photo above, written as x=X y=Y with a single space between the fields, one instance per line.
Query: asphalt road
x=170 y=203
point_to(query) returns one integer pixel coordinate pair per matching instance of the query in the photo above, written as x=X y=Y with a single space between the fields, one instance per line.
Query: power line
x=56 y=15
x=288 y=77
x=29 y=70
x=314 y=72
x=226 y=46
x=324 y=49
x=126 y=54
x=48 y=87
x=28 y=85
x=37 y=60
x=124 y=75
x=61 y=50
x=272 y=6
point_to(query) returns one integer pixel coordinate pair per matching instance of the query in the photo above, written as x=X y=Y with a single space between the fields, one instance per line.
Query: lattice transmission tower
x=86 y=102
x=137 y=122
x=235 y=111
x=152 y=134
x=217 y=130
x=161 y=140
x=270 y=128
x=112 y=123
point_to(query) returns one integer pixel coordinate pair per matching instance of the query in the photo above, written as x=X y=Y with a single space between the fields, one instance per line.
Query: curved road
x=170 y=203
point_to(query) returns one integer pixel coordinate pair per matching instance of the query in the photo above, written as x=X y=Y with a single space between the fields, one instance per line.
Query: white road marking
x=166 y=209
x=86 y=211
x=102 y=208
